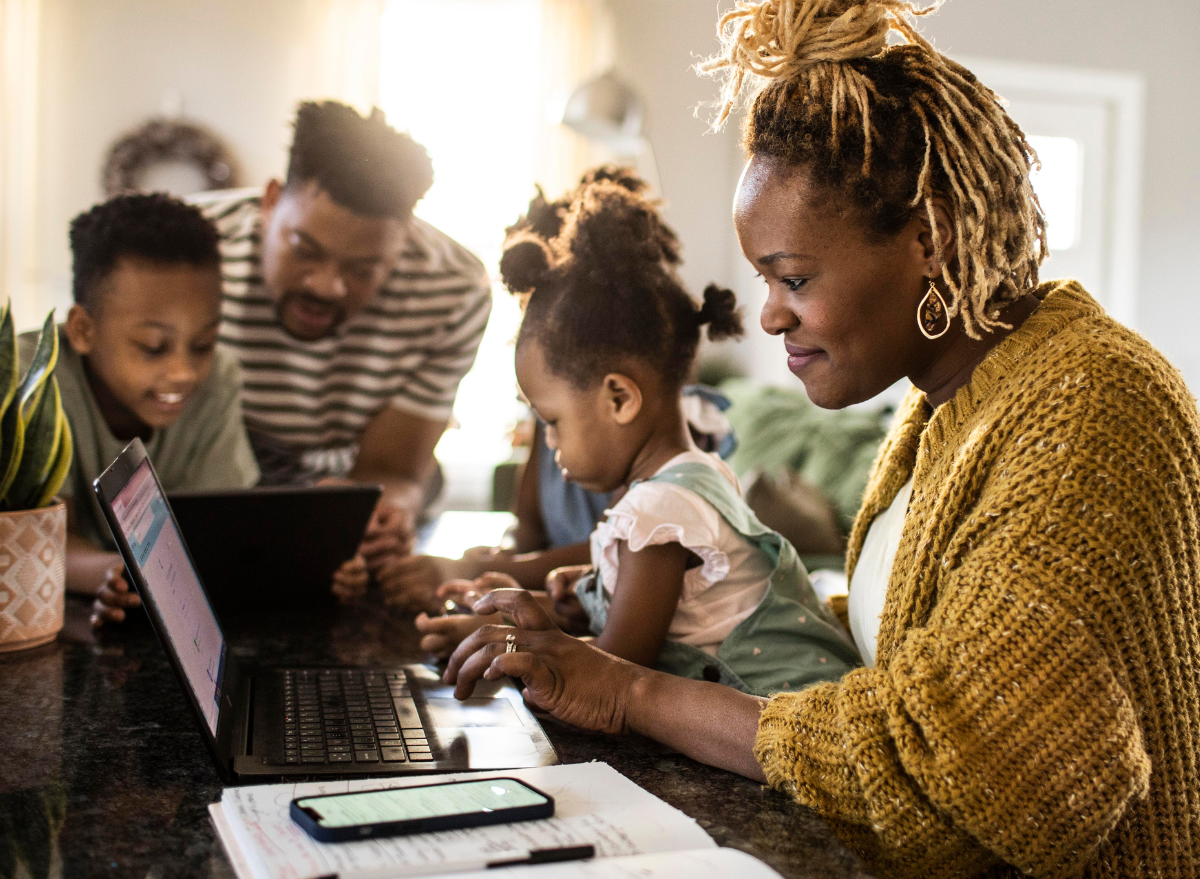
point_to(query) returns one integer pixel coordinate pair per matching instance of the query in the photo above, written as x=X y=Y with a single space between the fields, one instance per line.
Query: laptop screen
x=195 y=637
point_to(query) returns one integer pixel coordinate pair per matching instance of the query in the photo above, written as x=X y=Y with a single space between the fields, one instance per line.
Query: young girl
x=683 y=575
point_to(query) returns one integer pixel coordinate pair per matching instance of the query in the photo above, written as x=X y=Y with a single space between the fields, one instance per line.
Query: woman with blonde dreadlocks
x=1025 y=567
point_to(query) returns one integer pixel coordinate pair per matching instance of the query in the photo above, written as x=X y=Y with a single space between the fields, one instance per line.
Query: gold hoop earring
x=932 y=314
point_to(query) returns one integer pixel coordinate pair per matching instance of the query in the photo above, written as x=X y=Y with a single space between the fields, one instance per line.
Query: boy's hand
x=441 y=635
x=112 y=598
x=350 y=580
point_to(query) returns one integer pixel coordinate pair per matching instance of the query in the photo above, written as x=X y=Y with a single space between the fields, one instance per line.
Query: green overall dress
x=789 y=642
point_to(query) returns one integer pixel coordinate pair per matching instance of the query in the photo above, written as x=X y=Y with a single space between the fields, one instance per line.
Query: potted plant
x=35 y=456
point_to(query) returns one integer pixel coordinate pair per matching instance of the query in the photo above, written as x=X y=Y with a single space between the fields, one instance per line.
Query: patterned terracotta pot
x=33 y=575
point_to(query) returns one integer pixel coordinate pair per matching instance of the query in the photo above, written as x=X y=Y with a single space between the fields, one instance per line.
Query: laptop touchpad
x=476 y=711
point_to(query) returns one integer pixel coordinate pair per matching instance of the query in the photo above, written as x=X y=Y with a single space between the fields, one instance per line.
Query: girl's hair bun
x=543 y=218
x=720 y=313
x=525 y=262
x=622 y=175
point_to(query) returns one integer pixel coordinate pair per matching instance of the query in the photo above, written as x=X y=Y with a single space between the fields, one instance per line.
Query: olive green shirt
x=205 y=448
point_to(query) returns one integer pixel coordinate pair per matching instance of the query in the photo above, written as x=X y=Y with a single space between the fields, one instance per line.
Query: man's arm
x=396 y=451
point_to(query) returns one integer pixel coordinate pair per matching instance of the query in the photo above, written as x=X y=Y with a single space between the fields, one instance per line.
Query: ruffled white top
x=869 y=585
x=733 y=576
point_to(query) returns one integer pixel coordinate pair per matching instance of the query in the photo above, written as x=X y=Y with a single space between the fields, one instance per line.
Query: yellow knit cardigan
x=1035 y=705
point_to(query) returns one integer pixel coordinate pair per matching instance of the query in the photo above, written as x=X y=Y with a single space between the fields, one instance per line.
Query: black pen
x=549 y=856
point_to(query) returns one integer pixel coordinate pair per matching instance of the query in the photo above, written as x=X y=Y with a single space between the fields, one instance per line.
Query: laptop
x=270 y=548
x=262 y=722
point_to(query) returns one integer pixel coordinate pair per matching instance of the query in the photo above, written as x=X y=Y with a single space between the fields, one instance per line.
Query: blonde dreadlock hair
x=893 y=127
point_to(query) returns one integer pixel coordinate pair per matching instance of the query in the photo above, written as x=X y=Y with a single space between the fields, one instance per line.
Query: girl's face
x=589 y=442
x=844 y=302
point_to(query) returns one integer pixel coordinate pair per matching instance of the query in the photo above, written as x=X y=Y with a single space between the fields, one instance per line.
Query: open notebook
x=634 y=832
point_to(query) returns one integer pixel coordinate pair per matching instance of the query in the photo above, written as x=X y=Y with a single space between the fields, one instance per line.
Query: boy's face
x=149 y=338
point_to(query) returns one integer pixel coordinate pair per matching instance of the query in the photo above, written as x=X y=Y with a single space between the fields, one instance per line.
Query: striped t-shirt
x=307 y=403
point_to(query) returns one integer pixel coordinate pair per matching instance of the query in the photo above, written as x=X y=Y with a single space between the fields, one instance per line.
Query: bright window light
x=462 y=76
x=1058 y=187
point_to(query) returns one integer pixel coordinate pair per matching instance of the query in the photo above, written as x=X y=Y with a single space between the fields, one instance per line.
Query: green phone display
x=419 y=809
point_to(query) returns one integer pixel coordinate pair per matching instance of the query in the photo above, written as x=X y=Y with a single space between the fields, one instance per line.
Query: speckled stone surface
x=105 y=773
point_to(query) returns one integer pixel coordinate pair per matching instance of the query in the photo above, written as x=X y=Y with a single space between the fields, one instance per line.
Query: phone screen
x=415 y=803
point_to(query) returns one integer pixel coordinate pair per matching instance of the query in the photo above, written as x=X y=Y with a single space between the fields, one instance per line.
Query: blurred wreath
x=168 y=142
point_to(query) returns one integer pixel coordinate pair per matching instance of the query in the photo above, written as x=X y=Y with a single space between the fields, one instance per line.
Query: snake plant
x=35 y=439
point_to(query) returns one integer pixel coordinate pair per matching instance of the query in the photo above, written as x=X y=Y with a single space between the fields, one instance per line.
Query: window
x=472 y=80
x=1086 y=126
x=1058 y=187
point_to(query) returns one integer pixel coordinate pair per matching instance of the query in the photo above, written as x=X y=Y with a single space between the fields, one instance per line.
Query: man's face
x=321 y=262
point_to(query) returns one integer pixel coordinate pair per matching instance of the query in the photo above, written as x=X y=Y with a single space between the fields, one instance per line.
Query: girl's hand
x=350 y=580
x=560 y=582
x=467 y=592
x=569 y=678
x=560 y=586
x=112 y=598
x=440 y=635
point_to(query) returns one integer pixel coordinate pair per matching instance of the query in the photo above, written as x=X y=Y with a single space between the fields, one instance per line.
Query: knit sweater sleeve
x=1002 y=729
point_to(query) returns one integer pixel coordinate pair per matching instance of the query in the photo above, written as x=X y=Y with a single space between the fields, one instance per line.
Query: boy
x=138 y=358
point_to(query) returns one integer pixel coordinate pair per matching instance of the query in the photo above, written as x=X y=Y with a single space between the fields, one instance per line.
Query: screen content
x=404 y=804
x=146 y=523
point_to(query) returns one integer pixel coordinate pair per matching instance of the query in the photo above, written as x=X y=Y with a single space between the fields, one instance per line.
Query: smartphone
x=419 y=809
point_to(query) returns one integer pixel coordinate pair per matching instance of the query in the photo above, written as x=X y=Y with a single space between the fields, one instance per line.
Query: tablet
x=272 y=548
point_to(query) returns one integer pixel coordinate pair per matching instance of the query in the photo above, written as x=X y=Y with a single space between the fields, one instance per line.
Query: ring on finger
x=510 y=643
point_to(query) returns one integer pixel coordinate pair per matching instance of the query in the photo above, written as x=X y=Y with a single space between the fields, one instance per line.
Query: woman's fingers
x=478 y=640
x=524 y=609
x=473 y=666
x=539 y=681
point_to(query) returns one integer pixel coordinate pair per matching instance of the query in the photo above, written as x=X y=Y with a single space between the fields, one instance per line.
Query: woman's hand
x=350 y=580
x=112 y=598
x=569 y=678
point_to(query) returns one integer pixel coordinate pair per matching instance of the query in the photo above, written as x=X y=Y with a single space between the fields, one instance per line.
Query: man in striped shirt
x=353 y=320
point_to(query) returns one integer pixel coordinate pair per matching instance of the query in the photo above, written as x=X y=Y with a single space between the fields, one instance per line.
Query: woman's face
x=844 y=301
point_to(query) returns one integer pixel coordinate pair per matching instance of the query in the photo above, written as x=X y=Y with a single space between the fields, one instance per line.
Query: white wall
x=658 y=39
x=657 y=42
x=241 y=66
x=1154 y=38
x=238 y=67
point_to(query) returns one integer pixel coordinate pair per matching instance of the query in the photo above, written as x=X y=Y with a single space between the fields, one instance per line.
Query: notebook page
x=593 y=804
x=719 y=863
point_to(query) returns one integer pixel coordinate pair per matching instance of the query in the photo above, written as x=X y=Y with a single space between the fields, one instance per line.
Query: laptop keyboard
x=351 y=716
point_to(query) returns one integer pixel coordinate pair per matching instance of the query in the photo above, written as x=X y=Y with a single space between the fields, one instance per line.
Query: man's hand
x=411 y=583
x=112 y=598
x=350 y=580
x=390 y=535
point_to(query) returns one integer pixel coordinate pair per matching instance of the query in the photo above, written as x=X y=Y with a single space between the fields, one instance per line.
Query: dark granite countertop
x=105 y=774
